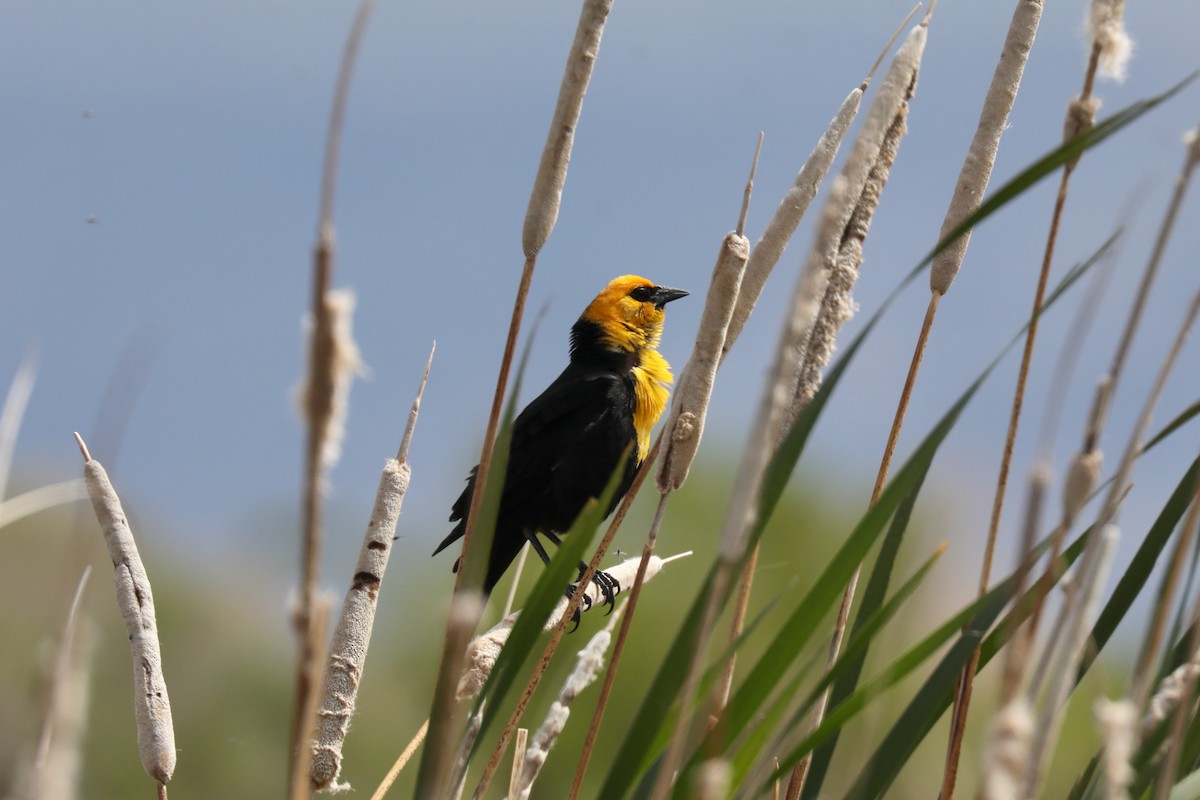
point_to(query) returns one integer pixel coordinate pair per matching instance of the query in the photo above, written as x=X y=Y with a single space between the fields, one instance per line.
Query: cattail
x=686 y=423
x=1106 y=26
x=783 y=223
x=981 y=157
x=152 y=707
x=1169 y=693
x=838 y=248
x=1116 y=721
x=1006 y=752
x=352 y=636
x=1081 y=480
x=546 y=196
x=591 y=660
x=483 y=651
x=325 y=399
x=712 y=779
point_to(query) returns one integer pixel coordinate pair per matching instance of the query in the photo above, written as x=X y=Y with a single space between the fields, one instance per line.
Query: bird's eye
x=642 y=294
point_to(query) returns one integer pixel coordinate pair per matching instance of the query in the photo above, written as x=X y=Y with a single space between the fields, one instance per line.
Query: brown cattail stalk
x=1080 y=117
x=401 y=762
x=151 y=706
x=332 y=364
x=352 y=636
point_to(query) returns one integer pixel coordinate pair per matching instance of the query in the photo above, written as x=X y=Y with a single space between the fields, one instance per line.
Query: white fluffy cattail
x=1167 y=697
x=1006 y=752
x=326 y=395
x=483 y=651
x=1106 y=25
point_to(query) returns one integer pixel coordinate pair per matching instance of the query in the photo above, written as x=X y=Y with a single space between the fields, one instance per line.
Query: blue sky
x=161 y=168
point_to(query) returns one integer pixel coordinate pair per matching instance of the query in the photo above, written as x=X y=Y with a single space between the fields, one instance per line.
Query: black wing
x=565 y=446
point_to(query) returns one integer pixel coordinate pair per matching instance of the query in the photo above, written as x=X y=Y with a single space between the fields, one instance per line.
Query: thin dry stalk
x=40 y=499
x=1018 y=653
x=1080 y=114
x=332 y=363
x=13 y=412
x=352 y=636
x=458 y=778
x=54 y=774
x=1181 y=693
x=152 y=707
x=514 y=781
x=518 y=571
x=466 y=606
x=298 y=780
x=1083 y=596
x=401 y=762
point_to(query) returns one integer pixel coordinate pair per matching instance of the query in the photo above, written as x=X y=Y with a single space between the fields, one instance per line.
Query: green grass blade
x=936 y=694
x=1139 y=569
x=872 y=600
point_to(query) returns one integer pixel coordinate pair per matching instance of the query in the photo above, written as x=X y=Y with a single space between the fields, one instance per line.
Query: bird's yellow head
x=629 y=312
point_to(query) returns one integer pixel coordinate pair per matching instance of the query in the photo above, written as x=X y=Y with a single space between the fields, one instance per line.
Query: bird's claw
x=609 y=587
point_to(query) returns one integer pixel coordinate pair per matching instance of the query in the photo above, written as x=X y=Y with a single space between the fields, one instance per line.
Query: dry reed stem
x=401 y=762
x=54 y=773
x=151 y=705
x=546 y=196
x=40 y=499
x=301 y=787
x=332 y=363
x=352 y=636
x=587 y=667
x=962 y=699
x=514 y=780
x=466 y=606
x=1018 y=652
x=1184 y=690
x=518 y=571
x=458 y=777
x=13 y=412
x=976 y=170
x=1083 y=597
x=560 y=628
x=1076 y=608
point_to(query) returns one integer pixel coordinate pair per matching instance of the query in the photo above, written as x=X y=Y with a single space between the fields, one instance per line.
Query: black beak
x=662 y=295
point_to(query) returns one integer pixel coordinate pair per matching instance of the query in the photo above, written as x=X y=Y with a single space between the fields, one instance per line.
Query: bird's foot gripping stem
x=606 y=586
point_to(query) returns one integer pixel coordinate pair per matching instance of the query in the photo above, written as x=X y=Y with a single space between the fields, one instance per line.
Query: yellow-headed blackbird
x=568 y=442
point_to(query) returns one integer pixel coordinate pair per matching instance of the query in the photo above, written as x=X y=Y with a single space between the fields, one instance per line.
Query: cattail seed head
x=1106 y=25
